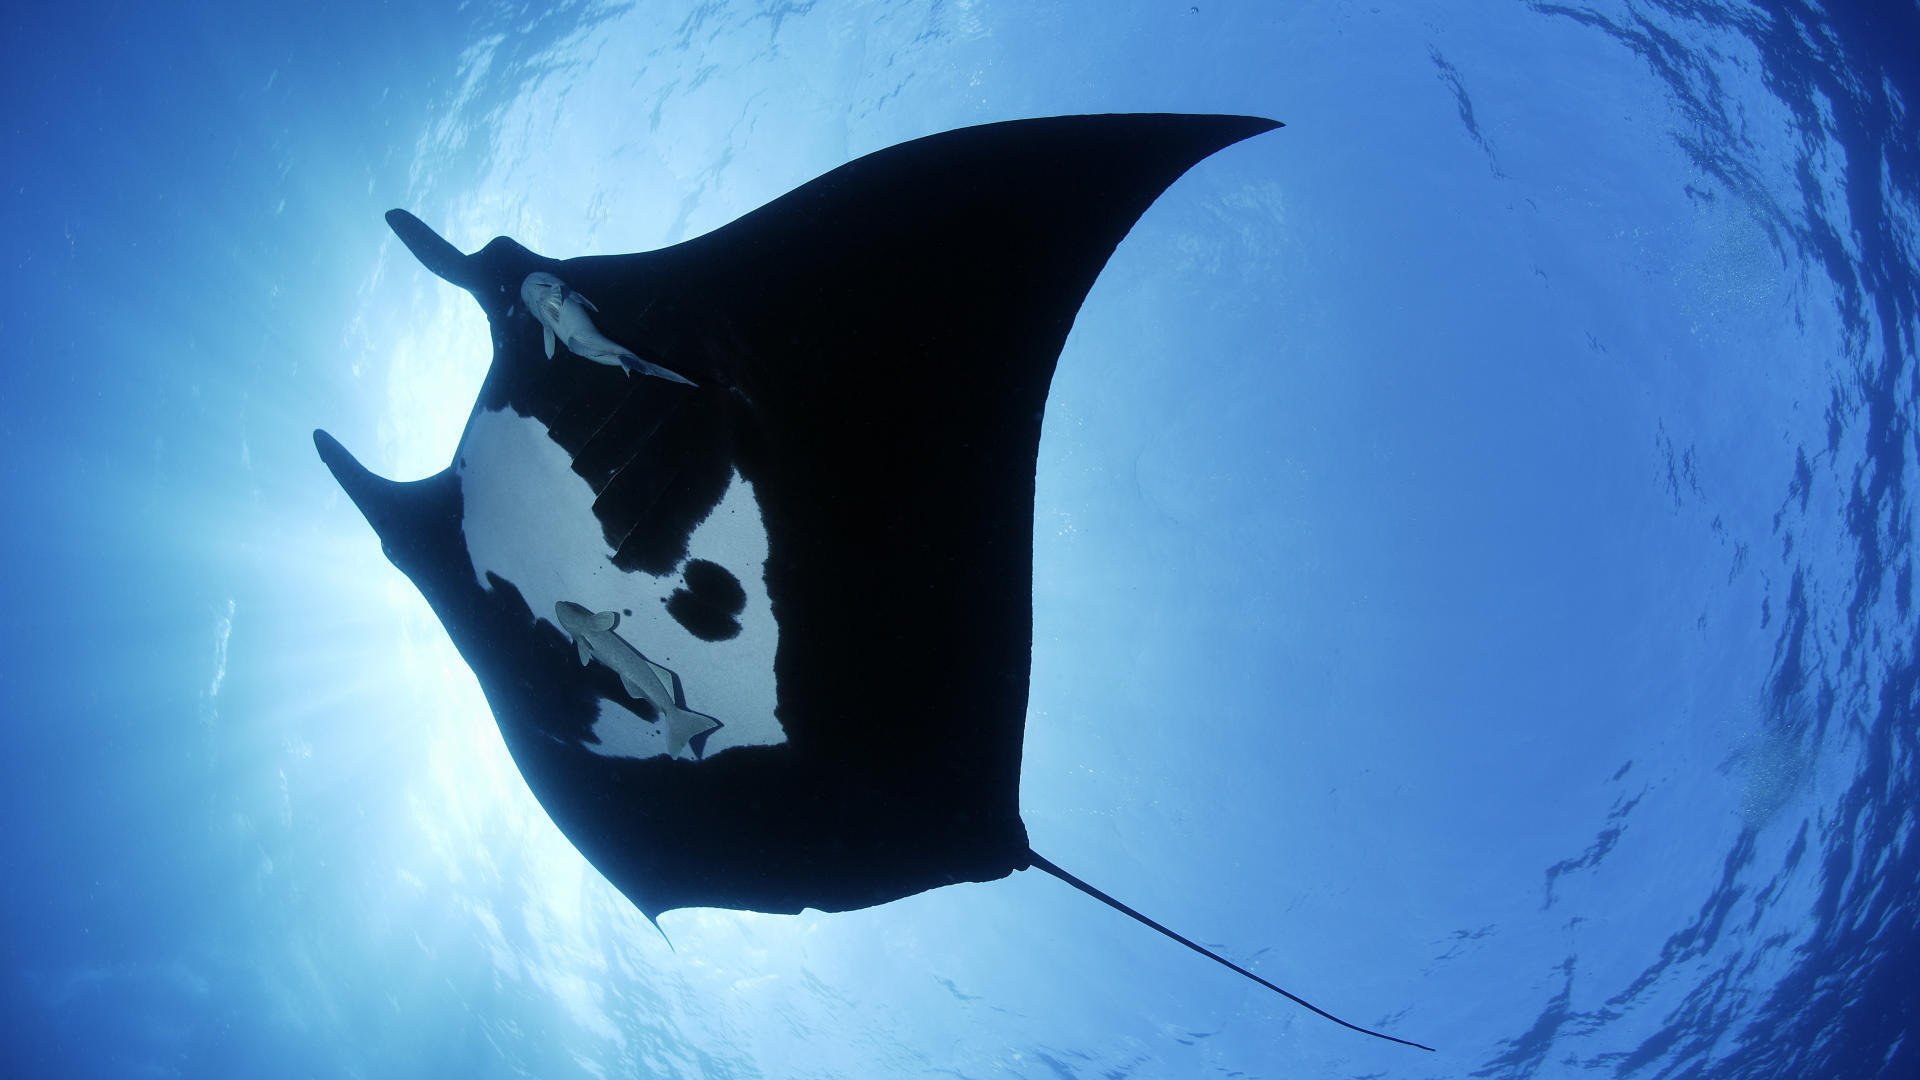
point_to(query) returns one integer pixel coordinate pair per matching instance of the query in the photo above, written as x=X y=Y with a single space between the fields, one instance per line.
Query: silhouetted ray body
x=841 y=506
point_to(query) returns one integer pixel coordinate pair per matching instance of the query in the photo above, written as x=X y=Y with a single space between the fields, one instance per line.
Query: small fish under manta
x=562 y=314
x=642 y=679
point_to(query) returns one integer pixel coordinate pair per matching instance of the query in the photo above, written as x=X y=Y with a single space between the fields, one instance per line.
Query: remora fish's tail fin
x=1038 y=862
x=647 y=367
x=685 y=725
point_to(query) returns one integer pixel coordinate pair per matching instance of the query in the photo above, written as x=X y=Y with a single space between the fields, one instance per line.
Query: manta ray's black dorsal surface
x=738 y=538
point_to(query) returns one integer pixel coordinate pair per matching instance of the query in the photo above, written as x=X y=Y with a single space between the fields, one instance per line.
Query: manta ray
x=738 y=538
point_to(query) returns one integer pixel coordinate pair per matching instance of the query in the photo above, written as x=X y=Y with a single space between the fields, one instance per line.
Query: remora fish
x=562 y=314
x=641 y=677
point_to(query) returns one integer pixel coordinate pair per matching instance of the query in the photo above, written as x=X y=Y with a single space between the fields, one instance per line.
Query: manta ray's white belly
x=528 y=519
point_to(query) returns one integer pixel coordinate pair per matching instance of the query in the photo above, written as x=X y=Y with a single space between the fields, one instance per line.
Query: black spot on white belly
x=709 y=601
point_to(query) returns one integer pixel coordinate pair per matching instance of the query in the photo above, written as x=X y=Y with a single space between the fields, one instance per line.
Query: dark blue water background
x=1474 y=551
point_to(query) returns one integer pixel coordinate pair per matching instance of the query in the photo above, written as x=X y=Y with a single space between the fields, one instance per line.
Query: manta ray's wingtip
x=1225 y=129
x=1260 y=125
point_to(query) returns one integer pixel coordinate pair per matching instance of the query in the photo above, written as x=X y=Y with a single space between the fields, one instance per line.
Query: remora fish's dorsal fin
x=671 y=680
x=604 y=621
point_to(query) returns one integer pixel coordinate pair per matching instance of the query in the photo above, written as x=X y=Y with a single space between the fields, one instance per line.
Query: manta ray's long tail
x=1041 y=863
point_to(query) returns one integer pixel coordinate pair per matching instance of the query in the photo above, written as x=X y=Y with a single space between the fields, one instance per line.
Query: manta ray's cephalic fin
x=432 y=249
x=378 y=498
x=492 y=274
x=1043 y=864
x=408 y=516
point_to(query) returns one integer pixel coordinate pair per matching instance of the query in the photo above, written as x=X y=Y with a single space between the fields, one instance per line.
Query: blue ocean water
x=1474 y=557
